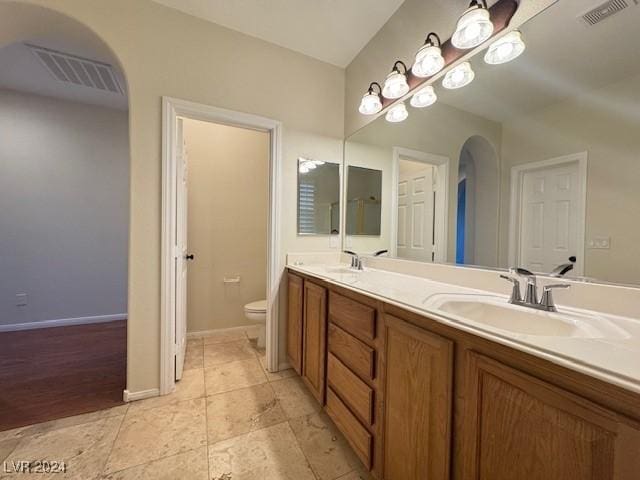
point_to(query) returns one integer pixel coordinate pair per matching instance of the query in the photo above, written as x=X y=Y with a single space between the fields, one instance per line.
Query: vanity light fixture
x=474 y=26
x=306 y=165
x=459 y=76
x=397 y=113
x=371 y=102
x=424 y=97
x=505 y=49
x=395 y=86
x=429 y=59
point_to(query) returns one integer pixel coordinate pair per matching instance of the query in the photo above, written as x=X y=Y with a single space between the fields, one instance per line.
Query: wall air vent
x=598 y=14
x=77 y=70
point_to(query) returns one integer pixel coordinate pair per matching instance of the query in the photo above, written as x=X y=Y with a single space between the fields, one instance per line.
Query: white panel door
x=549 y=217
x=181 y=252
x=416 y=215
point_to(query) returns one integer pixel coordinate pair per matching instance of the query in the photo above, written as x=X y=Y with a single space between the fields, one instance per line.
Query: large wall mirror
x=536 y=163
x=318 y=197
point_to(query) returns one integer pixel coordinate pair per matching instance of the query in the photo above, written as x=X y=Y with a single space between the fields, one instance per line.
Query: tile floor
x=229 y=419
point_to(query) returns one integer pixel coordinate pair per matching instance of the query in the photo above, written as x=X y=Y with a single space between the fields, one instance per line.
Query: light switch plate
x=21 y=299
x=599 y=243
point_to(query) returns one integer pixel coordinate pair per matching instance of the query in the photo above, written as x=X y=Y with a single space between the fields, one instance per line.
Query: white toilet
x=257 y=313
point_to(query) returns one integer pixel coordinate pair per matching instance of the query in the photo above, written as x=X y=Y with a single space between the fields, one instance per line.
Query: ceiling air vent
x=596 y=15
x=77 y=70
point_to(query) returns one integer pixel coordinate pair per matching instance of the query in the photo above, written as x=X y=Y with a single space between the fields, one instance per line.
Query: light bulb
x=303 y=169
x=473 y=28
x=459 y=76
x=505 y=48
x=310 y=165
x=429 y=61
x=424 y=97
x=395 y=86
x=370 y=104
x=397 y=113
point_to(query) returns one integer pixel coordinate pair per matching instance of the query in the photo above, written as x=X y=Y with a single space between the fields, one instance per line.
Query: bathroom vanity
x=420 y=393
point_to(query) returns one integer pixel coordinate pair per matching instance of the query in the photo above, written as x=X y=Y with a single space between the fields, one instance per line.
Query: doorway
x=175 y=253
x=420 y=206
x=548 y=208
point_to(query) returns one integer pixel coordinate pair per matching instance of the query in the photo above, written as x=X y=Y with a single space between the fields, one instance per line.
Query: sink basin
x=525 y=321
x=342 y=270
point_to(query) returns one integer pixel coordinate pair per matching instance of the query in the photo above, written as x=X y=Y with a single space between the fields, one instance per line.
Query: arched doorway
x=64 y=173
x=478 y=203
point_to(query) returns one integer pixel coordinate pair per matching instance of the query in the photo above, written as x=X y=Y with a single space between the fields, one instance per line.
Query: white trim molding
x=517 y=174
x=208 y=333
x=62 y=322
x=442 y=201
x=173 y=108
x=128 y=396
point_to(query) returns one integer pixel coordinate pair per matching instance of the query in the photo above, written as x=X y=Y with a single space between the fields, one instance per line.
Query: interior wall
x=228 y=185
x=164 y=52
x=605 y=124
x=64 y=191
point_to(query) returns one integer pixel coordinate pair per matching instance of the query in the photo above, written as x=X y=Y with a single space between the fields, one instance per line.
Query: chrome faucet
x=356 y=261
x=546 y=303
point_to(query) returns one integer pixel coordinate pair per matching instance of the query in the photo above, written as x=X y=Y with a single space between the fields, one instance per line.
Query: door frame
x=517 y=176
x=441 y=226
x=172 y=108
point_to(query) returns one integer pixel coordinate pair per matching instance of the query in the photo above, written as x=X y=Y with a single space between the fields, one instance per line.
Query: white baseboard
x=128 y=396
x=62 y=322
x=205 y=333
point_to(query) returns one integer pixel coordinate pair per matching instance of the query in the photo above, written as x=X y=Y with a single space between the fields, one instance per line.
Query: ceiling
x=333 y=31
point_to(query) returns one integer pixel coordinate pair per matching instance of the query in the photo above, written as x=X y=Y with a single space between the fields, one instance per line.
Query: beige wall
x=64 y=191
x=602 y=124
x=227 y=228
x=401 y=37
x=164 y=52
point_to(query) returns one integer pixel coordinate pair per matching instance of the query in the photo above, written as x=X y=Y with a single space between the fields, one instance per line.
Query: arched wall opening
x=478 y=203
x=64 y=174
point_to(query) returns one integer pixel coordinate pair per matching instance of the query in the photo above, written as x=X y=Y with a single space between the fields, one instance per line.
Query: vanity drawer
x=355 y=393
x=356 y=355
x=358 y=437
x=354 y=317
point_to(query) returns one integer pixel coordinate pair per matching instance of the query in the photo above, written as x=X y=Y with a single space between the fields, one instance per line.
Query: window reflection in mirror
x=543 y=157
x=318 y=197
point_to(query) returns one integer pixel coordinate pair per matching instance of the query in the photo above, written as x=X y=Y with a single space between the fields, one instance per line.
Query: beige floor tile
x=191 y=465
x=233 y=375
x=268 y=454
x=6 y=447
x=241 y=411
x=294 y=397
x=189 y=387
x=274 y=376
x=224 y=337
x=44 y=427
x=326 y=449
x=152 y=434
x=220 y=353
x=194 y=357
x=356 y=475
x=84 y=448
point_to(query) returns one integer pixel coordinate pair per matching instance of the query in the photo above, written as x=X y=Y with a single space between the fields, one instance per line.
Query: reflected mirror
x=364 y=192
x=318 y=197
x=535 y=164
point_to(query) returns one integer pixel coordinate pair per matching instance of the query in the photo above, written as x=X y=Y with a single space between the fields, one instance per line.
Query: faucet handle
x=547 y=296
x=515 y=292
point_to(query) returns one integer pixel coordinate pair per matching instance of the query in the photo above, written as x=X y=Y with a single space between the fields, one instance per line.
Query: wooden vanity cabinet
x=295 y=302
x=418 y=401
x=314 y=334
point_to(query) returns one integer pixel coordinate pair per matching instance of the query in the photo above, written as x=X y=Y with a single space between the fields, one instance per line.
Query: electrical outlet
x=599 y=243
x=21 y=299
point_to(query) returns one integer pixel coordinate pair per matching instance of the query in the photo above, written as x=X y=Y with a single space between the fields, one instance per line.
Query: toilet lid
x=259 y=306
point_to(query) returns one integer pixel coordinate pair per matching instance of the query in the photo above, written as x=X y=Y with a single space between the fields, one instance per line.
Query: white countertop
x=614 y=359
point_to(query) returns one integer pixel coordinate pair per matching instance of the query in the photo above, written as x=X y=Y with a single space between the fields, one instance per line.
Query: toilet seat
x=258 y=307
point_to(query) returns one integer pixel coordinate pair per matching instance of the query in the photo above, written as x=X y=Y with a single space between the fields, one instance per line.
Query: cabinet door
x=517 y=426
x=314 y=332
x=417 y=405
x=294 y=322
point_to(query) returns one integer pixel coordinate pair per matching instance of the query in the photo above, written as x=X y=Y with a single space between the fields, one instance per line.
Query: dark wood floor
x=53 y=373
